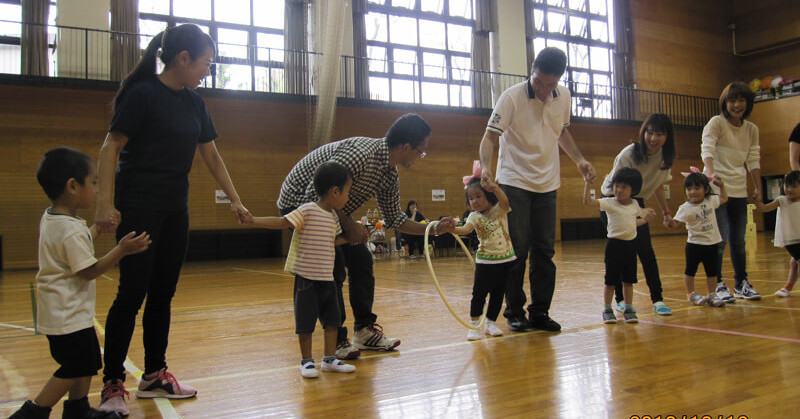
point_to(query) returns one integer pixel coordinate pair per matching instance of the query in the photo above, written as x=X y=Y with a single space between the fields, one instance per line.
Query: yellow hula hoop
x=436 y=280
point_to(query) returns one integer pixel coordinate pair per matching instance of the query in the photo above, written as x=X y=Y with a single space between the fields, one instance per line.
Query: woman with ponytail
x=159 y=122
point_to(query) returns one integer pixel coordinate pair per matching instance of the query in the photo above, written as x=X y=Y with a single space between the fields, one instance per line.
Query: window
x=11 y=32
x=249 y=36
x=584 y=30
x=420 y=51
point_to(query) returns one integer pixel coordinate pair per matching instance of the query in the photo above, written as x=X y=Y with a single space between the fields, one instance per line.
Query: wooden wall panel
x=682 y=46
x=775 y=120
x=760 y=24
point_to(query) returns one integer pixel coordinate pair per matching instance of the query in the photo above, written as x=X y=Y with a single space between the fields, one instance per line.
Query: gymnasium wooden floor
x=232 y=338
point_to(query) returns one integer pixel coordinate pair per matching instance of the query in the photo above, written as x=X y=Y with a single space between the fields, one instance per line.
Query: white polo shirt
x=529 y=130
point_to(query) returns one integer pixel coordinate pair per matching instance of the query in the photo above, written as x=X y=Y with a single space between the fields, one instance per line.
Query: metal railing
x=93 y=54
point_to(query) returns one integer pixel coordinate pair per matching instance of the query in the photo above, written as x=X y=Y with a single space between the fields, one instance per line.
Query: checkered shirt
x=368 y=161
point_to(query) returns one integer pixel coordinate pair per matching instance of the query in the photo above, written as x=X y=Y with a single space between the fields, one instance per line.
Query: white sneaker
x=112 y=398
x=337 y=366
x=309 y=370
x=783 y=293
x=697 y=299
x=714 y=301
x=492 y=329
x=746 y=291
x=723 y=293
x=344 y=350
x=474 y=334
x=371 y=338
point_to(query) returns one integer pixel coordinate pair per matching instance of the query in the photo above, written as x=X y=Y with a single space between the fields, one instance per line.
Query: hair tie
x=476 y=173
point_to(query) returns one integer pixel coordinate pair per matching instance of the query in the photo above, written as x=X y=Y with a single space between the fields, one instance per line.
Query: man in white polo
x=528 y=124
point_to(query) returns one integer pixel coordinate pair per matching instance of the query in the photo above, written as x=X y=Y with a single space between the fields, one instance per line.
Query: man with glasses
x=528 y=124
x=373 y=165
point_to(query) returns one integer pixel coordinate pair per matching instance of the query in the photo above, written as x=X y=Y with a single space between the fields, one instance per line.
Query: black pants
x=489 y=279
x=415 y=242
x=644 y=248
x=356 y=263
x=620 y=262
x=152 y=274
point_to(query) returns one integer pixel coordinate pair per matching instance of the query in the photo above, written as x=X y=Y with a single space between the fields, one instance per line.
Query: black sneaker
x=518 y=324
x=544 y=322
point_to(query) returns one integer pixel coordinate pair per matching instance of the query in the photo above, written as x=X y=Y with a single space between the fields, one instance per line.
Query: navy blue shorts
x=78 y=353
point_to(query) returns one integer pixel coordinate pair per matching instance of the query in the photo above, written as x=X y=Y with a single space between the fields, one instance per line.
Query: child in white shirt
x=311 y=258
x=495 y=252
x=65 y=283
x=787 y=225
x=624 y=215
x=699 y=215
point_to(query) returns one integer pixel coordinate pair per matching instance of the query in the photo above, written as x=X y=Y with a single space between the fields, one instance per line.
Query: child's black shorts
x=315 y=300
x=78 y=353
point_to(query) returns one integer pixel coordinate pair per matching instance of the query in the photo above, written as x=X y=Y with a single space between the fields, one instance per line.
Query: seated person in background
x=414 y=242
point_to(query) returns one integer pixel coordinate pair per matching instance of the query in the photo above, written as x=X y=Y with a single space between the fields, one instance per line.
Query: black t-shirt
x=163 y=128
x=795 y=136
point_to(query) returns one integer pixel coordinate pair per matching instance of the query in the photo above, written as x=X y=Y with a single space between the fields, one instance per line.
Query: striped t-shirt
x=312 y=253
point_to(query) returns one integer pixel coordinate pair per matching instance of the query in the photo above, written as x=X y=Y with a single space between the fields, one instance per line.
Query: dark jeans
x=644 y=248
x=532 y=226
x=490 y=278
x=355 y=262
x=152 y=274
x=415 y=242
x=732 y=221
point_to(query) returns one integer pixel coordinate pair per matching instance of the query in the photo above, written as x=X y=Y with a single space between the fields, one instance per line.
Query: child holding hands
x=495 y=253
x=787 y=225
x=65 y=283
x=624 y=215
x=699 y=215
x=311 y=258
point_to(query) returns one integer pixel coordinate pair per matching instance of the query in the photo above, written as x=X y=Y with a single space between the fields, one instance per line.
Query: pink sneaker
x=164 y=385
x=113 y=398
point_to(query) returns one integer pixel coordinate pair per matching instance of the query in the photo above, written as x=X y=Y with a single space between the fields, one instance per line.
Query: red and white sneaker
x=112 y=398
x=371 y=338
x=164 y=384
x=344 y=350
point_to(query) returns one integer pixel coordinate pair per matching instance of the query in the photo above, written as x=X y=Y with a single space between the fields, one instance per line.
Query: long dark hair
x=171 y=41
x=656 y=122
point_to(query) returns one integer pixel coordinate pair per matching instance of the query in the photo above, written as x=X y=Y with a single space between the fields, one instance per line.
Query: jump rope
x=436 y=280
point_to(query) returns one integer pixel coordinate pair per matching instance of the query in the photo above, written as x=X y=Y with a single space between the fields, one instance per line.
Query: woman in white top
x=652 y=156
x=729 y=150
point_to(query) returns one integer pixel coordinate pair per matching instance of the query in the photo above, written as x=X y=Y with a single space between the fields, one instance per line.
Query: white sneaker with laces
x=492 y=329
x=697 y=299
x=371 y=338
x=474 y=334
x=337 y=366
x=746 y=291
x=344 y=350
x=723 y=293
x=783 y=293
x=714 y=301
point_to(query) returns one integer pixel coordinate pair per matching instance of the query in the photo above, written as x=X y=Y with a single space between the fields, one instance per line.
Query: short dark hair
x=792 y=178
x=409 y=128
x=330 y=174
x=628 y=176
x=733 y=91
x=657 y=122
x=551 y=61
x=698 y=179
x=60 y=165
x=476 y=183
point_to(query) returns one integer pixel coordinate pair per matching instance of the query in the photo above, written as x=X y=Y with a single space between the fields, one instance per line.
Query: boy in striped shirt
x=311 y=257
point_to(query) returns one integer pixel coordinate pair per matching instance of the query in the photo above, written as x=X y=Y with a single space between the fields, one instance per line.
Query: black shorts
x=794 y=250
x=315 y=300
x=78 y=353
x=707 y=254
x=620 y=262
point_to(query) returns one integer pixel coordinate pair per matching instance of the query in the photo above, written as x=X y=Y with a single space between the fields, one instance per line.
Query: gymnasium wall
x=261 y=138
x=760 y=24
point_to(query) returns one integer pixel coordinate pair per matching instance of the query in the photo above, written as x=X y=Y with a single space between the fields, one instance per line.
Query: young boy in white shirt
x=65 y=283
x=624 y=215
